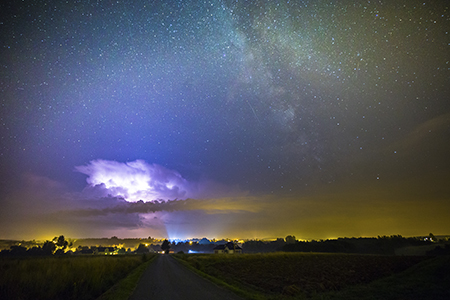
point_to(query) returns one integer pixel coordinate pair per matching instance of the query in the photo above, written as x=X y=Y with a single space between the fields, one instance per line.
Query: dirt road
x=165 y=278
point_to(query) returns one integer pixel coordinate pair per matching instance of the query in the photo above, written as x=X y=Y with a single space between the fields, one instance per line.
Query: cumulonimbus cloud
x=210 y=206
x=136 y=180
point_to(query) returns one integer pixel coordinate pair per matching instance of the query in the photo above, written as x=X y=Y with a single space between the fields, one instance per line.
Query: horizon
x=215 y=240
x=224 y=118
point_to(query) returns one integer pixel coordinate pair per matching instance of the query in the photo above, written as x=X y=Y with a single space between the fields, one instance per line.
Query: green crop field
x=65 y=277
x=300 y=275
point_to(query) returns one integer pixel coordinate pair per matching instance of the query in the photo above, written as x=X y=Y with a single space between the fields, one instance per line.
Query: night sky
x=243 y=119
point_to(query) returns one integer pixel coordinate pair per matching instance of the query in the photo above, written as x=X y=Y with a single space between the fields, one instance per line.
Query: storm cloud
x=136 y=180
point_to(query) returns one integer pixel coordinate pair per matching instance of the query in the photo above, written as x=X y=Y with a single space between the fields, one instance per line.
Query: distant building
x=228 y=248
x=106 y=251
x=86 y=251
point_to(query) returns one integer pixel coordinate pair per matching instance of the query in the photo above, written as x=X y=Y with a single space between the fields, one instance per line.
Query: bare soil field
x=299 y=274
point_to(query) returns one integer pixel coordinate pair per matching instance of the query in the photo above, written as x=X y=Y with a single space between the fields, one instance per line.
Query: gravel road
x=165 y=278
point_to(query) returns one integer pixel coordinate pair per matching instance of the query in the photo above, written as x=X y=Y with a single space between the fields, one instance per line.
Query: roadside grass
x=64 y=277
x=125 y=287
x=297 y=275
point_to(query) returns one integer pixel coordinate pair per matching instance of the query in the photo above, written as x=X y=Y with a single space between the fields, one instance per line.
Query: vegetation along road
x=166 y=278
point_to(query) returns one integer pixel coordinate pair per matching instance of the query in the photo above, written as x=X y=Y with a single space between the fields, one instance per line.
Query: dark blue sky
x=285 y=99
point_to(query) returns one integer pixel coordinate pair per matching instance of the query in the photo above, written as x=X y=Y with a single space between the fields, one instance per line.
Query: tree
x=48 y=248
x=60 y=242
x=114 y=240
x=18 y=250
x=165 y=246
x=141 y=249
x=432 y=237
x=290 y=239
x=35 y=251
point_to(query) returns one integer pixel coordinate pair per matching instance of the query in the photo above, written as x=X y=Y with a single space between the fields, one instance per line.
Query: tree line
x=385 y=245
x=56 y=246
x=379 y=245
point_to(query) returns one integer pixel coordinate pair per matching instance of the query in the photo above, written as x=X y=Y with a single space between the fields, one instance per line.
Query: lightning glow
x=136 y=180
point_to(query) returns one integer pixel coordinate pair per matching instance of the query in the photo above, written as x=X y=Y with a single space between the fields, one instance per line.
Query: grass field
x=299 y=275
x=77 y=277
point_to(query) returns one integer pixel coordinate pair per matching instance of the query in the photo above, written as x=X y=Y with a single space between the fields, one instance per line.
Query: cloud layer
x=136 y=180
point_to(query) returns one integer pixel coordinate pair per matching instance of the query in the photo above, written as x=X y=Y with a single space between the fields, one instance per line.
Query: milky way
x=280 y=98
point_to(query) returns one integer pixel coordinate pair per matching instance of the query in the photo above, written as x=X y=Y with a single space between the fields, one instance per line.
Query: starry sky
x=248 y=119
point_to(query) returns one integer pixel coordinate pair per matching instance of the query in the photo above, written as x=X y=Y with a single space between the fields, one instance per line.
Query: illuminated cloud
x=136 y=180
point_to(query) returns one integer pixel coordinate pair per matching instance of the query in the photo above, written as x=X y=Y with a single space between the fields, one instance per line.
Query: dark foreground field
x=252 y=276
x=328 y=276
x=63 y=277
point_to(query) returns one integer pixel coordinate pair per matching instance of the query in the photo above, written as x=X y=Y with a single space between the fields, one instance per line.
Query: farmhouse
x=228 y=248
x=106 y=251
